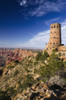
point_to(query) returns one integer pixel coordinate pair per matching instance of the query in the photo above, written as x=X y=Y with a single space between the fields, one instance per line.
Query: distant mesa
x=15 y=54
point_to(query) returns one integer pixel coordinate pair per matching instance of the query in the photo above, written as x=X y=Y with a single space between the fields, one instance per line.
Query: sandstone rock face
x=15 y=54
x=41 y=91
x=38 y=91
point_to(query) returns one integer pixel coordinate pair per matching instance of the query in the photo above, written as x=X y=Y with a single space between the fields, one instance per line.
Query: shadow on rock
x=54 y=98
x=34 y=95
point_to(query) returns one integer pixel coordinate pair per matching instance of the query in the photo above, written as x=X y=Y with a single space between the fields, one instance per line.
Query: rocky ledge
x=42 y=91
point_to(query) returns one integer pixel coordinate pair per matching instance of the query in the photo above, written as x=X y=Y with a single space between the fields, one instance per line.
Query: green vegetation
x=4 y=96
x=64 y=62
x=53 y=66
x=16 y=72
x=54 y=51
x=43 y=67
x=59 y=54
x=35 y=63
x=35 y=70
x=42 y=56
x=28 y=82
x=38 y=57
x=11 y=91
x=11 y=65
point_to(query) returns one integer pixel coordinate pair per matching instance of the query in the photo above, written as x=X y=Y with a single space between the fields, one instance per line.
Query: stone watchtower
x=55 y=37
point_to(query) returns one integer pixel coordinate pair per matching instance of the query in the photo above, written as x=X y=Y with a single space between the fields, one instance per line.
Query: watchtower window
x=57 y=26
x=51 y=26
x=54 y=37
x=54 y=43
x=54 y=26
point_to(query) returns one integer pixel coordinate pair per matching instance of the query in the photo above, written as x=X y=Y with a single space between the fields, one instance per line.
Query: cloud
x=22 y=2
x=38 y=41
x=41 y=38
x=41 y=7
x=63 y=31
x=48 y=6
x=50 y=21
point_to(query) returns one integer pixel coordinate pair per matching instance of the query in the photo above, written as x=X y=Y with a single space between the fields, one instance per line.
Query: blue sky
x=26 y=23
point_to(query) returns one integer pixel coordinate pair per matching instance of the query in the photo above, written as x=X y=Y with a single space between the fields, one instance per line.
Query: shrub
x=27 y=70
x=54 y=65
x=42 y=56
x=35 y=70
x=59 y=54
x=54 y=50
x=16 y=72
x=10 y=67
x=57 y=80
x=11 y=91
x=30 y=63
x=39 y=55
x=4 y=96
x=35 y=63
x=28 y=82
x=64 y=63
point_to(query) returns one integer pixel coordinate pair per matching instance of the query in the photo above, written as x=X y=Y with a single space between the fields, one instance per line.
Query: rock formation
x=15 y=54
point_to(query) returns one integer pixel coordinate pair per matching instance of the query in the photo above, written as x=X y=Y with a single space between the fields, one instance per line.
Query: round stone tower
x=55 y=37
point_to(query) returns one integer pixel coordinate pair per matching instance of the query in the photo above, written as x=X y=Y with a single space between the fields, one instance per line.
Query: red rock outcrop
x=15 y=54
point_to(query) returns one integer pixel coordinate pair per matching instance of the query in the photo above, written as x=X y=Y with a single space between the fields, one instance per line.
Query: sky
x=26 y=23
